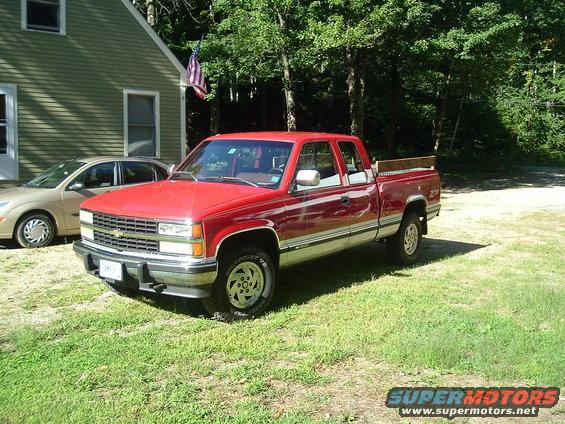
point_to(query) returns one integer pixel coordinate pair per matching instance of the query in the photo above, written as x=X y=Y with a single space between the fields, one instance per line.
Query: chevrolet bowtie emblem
x=117 y=233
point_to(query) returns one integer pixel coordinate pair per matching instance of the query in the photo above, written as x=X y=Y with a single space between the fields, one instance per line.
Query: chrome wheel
x=36 y=231
x=245 y=284
x=410 y=239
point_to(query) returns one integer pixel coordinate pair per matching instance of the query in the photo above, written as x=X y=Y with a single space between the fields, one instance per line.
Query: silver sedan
x=48 y=206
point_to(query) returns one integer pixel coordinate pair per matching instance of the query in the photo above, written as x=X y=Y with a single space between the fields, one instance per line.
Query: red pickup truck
x=242 y=206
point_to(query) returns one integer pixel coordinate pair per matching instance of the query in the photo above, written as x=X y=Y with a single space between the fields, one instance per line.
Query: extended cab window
x=98 y=176
x=138 y=172
x=318 y=156
x=352 y=158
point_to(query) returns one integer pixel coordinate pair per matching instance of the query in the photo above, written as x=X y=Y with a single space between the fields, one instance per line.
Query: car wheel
x=35 y=230
x=244 y=287
x=404 y=247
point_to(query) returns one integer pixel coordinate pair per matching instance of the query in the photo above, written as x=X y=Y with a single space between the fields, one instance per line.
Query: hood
x=175 y=200
x=20 y=195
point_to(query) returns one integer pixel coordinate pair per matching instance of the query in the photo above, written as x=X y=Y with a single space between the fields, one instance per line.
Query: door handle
x=344 y=200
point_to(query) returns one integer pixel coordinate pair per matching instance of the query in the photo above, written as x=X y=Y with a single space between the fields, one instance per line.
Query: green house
x=84 y=78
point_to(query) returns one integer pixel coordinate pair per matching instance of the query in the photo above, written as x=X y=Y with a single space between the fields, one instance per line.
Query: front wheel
x=404 y=247
x=35 y=230
x=244 y=287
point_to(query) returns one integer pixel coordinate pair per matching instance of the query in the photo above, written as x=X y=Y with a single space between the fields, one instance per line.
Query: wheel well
x=34 y=211
x=264 y=238
x=419 y=207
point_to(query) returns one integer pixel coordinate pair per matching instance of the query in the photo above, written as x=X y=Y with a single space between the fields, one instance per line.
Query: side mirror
x=308 y=177
x=171 y=169
x=76 y=186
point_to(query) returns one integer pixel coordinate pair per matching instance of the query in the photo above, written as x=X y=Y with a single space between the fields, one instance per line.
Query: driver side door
x=97 y=179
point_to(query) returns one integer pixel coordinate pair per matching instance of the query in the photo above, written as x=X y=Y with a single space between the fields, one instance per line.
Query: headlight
x=87 y=233
x=3 y=205
x=183 y=248
x=181 y=230
x=86 y=217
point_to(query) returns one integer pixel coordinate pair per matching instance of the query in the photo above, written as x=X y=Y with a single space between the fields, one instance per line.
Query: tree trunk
x=150 y=12
x=215 y=112
x=441 y=117
x=457 y=122
x=393 y=106
x=264 y=106
x=356 y=92
x=287 y=79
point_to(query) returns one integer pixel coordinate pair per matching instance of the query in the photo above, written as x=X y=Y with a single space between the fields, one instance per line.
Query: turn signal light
x=197 y=249
x=197 y=231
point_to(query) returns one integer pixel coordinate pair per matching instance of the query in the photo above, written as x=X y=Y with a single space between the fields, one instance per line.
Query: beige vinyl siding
x=70 y=87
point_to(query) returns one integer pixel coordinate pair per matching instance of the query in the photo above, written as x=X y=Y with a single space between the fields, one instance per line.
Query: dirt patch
x=358 y=389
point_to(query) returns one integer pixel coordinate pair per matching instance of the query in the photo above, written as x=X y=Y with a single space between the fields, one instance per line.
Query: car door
x=96 y=179
x=316 y=217
x=140 y=172
x=363 y=194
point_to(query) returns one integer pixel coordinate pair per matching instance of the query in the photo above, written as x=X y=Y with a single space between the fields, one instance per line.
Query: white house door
x=8 y=131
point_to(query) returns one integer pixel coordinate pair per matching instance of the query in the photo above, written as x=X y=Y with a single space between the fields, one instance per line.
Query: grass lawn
x=485 y=306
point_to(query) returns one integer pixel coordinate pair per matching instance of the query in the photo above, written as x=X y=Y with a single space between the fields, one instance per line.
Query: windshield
x=55 y=175
x=249 y=162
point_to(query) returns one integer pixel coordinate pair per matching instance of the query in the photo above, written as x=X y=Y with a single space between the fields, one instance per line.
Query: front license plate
x=112 y=270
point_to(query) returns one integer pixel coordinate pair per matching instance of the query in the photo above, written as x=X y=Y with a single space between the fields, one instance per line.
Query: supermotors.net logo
x=451 y=402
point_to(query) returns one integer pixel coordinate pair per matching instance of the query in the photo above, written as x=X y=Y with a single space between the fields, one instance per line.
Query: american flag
x=194 y=73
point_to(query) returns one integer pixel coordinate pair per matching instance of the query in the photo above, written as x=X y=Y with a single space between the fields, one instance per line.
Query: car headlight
x=181 y=230
x=3 y=205
x=182 y=248
x=86 y=217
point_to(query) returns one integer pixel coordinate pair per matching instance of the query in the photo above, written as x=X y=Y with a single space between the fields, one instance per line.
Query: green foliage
x=482 y=77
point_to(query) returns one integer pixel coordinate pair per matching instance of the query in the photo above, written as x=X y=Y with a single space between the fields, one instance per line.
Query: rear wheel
x=245 y=285
x=404 y=247
x=35 y=230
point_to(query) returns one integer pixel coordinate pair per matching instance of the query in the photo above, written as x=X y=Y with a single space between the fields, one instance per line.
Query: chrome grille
x=127 y=224
x=126 y=243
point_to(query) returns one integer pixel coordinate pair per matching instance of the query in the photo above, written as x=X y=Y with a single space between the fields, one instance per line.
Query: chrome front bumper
x=151 y=273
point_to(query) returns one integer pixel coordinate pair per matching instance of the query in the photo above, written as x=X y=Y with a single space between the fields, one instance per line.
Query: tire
x=35 y=230
x=404 y=247
x=244 y=287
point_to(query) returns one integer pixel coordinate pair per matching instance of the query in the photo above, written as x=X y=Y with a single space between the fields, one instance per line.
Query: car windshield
x=55 y=175
x=249 y=162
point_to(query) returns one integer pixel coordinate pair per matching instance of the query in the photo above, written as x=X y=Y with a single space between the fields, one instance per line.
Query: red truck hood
x=175 y=200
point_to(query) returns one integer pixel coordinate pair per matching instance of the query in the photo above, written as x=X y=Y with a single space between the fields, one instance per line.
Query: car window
x=98 y=176
x=318 y=156
x=352 y=158
x=161 y=173
x=138 y=172
x=237 y=161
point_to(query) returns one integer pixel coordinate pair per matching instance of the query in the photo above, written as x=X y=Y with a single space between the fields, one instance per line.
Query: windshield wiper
x=190 y=174
x=234 y=179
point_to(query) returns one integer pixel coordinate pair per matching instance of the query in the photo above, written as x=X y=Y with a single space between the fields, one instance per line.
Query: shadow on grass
x=302 y=283
x=57 y=241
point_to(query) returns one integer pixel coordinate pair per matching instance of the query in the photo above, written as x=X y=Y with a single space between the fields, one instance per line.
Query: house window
x=8 y=132
x=3 y=125
x=44 y=15
x=141 y=123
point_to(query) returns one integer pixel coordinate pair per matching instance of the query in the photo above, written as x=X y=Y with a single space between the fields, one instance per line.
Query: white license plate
x=112 y=270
